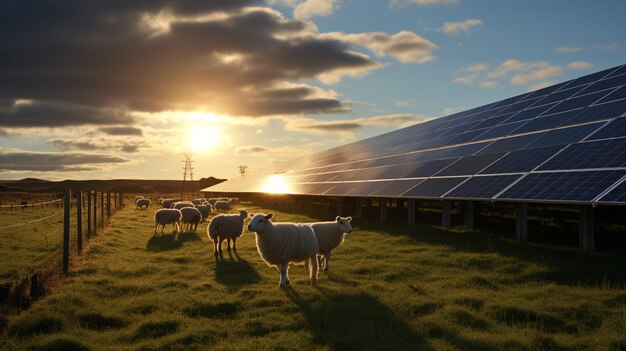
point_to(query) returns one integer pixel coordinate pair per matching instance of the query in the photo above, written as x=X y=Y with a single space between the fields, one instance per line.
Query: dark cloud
x=251 y=149
x=341 y=126
x=334 y=126
x=54 y=114
x=46 y=161
x=155 y=55
x=121 y=131
x=102 y=145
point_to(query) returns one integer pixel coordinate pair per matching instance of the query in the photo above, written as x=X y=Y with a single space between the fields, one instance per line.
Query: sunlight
x=276 y=184
x=203 y=138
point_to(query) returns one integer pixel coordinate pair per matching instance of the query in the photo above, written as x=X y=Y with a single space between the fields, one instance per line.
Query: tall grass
x=390 y=287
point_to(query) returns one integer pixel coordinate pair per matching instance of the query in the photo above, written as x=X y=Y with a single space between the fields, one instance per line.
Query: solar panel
x=522 y=160
x=592 y=154
x=566 y=142
x=562 y=186
x=482 y=187
x=615 y=129
x=434 y=187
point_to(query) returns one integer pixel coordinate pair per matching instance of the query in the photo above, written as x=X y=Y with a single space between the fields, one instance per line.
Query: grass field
x=27 y=236
x=390 y=287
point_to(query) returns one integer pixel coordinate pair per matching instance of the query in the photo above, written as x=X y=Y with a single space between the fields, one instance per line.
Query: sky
x=123 y=88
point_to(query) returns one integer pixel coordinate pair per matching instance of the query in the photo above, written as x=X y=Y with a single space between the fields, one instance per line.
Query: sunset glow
x=203 y=138
x=277 y=184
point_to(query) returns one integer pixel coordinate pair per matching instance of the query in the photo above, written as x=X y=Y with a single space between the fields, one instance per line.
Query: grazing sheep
x=138 y=197
x=205 y=210
x=282 y=243
x=212 y=201
x=191 y=217
x=222 y=205
x=226 y=227
x=167 y=203
x=142 y=203
x=329 y=236
x=167 y=216
x=182 y=204
x=197 y=201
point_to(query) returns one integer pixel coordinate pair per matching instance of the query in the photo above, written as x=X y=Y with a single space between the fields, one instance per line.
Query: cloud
x=610 y=47
x=19 y=160
x=93 y=145
x=309 y=8
x=350 y=125
x=489 y=84
x=454 y=28
x=467 y=79
x=404 y=103
x=225 y=56
x=404 y=46
x=251 y=149
x=567 y=49
x=4 y=132
x=28 y=113
x=576 y=65
x=476 y=68
x=121 y=131
x=537 y=75
x=511 y=65
x=424 y=2
x=541 y=85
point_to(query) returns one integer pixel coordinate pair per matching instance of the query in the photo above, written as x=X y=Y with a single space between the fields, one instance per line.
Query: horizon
x=140 y=85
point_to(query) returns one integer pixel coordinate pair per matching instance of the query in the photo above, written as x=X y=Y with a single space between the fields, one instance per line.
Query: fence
x=40 y=239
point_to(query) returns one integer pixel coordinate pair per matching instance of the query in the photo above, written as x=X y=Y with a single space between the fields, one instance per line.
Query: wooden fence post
x=66 y=231
x=95 y=212
x=89 y=214
x=79 y=221
x=102 y=209
x=108 y=205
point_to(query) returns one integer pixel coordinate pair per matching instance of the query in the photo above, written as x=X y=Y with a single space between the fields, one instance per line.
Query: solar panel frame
x=434 y=188
x=482 y=187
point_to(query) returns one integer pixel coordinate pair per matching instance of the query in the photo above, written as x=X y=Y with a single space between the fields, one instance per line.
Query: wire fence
x=40 y=239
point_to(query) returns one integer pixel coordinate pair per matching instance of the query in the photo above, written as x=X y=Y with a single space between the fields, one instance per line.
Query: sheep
x=167 y=216
x=182 y=204
x=205 y=210
x=329 y=236
x=222 y=205
x=142 y=203
x=234 y=200
x=191 y=217
x=167 y=203
x=282 y=243
x=138 y=197
x=197 y=201
x=226 y=227
x=212 y=201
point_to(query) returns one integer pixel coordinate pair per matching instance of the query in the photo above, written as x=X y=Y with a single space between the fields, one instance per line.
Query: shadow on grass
x=356 y=322
x=168 y=242
x=566 y=266
x=234 y=270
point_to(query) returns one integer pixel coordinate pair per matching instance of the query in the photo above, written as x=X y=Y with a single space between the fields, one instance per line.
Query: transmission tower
x=187 y=173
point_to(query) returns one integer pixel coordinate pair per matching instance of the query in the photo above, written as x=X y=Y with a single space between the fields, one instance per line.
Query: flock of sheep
x=278 y=244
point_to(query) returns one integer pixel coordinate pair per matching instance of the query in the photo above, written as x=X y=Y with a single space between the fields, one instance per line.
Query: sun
x=276 y=184
x=203 y=138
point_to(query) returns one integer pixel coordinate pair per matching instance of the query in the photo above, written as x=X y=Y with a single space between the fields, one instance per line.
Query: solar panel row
x=565 y=142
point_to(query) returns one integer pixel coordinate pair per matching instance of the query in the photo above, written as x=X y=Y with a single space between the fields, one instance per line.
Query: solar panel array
x=563 y=143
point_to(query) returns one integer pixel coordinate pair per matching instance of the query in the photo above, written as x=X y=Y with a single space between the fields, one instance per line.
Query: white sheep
x=182 y=204
x=142 y=203
x=205 y=210
x=222 y=205
x=191 y=217
x=167 y=216
x=167 y=203
x=329 y=236
x=282 y=243
x=226 y=227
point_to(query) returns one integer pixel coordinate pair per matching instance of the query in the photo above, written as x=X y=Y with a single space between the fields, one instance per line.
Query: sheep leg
x=228 y=242
x=313 y=271
x=326 y=259
x=215 y=246
x=234 y=244
x=220 y=245
x=284 y=279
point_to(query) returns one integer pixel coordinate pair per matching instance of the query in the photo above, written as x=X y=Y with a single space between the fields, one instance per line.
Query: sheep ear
x=251 y=214
x=269 y=216
x=337 y=218
x=349 y=219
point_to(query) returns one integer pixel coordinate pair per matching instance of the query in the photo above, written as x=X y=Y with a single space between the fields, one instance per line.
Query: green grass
x=25 y=244
x=389 y=287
